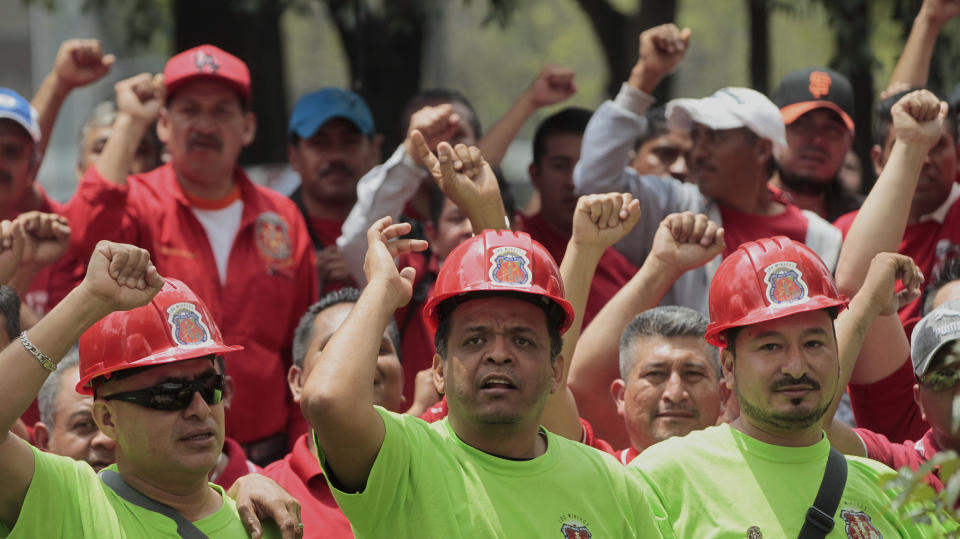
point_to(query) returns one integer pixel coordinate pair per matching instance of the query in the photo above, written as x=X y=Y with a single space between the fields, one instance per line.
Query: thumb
x=408 y=274
x=685 y=37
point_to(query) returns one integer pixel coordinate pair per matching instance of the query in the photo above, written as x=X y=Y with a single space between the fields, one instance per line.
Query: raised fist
x=684 y=241
x=552 y=85
x=436 y=124
x=121 y=277
x=662 y=48
x=80 y=62
x=47 y=237
x=603 y=220
x=918 y=119
x=140 y=97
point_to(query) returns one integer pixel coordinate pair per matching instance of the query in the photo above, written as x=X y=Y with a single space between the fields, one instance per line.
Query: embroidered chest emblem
x=785 y=285
x=272 y=237
x=510 y=266
x=575 y=531
x=859 y=526
x=186 y=325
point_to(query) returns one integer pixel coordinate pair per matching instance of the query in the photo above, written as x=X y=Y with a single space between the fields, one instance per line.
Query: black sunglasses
x=175 y=394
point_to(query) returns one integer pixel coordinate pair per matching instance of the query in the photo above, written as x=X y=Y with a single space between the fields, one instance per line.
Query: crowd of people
x=695 y=328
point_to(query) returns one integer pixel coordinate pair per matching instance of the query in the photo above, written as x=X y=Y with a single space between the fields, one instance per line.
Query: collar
x=246 y=188
x=303 y=462
x=940 y=213
x=628 y=454
x=927 y=446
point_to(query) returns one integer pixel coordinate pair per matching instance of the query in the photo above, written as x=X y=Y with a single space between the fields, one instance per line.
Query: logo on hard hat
x=186 y=325
x=510 y=266
x=785 y=284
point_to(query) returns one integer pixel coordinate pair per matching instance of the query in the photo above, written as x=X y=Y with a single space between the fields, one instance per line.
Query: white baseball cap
x=730 y=108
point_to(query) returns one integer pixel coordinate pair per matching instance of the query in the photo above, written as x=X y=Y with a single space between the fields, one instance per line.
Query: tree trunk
x=618 y=34
x=759 y=11
x=385 y=53
x=253 y=35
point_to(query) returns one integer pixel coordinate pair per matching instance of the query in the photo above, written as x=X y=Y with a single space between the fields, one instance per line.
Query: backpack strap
x=819 y=521
x=185 y=528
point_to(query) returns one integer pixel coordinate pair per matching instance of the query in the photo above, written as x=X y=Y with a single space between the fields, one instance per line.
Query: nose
x=198 y=407
x=678 y=169
x=499 y=352
x=675 y=391
x=795 y=366
x=103 y=442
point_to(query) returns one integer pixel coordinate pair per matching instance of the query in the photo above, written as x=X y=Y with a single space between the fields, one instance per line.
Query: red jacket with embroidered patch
x=270 y=277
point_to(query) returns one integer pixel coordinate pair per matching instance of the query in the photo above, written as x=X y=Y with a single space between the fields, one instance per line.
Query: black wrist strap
x=185 y=528
x=819 y=521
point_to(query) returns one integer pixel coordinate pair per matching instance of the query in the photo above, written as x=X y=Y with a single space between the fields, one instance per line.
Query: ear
x=764 y=151
x=618 y=389
x=438 y=380
x=249 y=127
x=557 y=378
x=41 y=436
x=103 y=417
x=876 y=156
x=727 y=363
x=228 y=391
x=916 y=398
x=725 y=394
x=163 y=126
x=534 y=171
x=295 y=381
x=293 y=157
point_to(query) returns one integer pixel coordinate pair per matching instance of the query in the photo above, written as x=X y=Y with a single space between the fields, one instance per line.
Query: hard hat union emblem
x=186 y=325
x=785 y=285
x=510 y=266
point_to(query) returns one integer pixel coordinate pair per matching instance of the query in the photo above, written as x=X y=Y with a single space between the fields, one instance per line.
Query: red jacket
x=270 y=276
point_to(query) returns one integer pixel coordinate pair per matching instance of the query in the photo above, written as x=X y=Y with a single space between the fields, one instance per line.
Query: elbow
x=319 y=402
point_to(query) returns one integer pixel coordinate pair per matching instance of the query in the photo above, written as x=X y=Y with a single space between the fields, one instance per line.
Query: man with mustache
x=244 y=249
x=734 y=135
x=332 y=144
x=817 y=108
x=759 y=475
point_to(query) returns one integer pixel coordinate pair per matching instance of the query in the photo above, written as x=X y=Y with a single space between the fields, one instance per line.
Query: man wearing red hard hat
x=147 y=358
x=499 y=311
x=242 y=248
x=772 y=308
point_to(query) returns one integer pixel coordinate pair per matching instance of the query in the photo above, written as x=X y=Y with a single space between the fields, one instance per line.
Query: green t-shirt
x=67 y=499
x=426 y=482
x=719 y=482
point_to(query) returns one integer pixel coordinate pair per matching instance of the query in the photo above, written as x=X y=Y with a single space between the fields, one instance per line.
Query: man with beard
x=817 y=108
x=772 y=310
x=242 y=248
x=332 y=144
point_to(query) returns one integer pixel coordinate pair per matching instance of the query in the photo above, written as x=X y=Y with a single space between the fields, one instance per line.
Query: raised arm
x=551 y=86
x=465 y=177
x=918 y=122
x=871 y=315
x=599 y=221
x=46 y=238
x=119 y=277
x=79 y=62
x=337 y=398
x=682 y=242
x=913 y=67
x=139 y=99
x=609 y=137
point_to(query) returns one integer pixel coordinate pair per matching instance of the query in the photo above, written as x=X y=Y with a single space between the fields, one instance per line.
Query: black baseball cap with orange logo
x=804 y=90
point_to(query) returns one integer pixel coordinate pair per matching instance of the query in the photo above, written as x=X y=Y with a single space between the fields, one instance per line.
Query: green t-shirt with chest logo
x=426 y=482
x=719 y=482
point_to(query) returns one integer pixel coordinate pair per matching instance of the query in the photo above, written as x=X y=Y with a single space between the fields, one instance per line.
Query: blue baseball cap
x=13 y=106
x=317 y=108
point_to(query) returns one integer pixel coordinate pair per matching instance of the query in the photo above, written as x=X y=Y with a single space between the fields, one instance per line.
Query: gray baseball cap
x=938 y=329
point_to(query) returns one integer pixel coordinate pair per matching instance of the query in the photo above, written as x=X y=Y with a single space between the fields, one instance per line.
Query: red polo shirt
x=907 y=453
x=300 y=474
x=270 y=276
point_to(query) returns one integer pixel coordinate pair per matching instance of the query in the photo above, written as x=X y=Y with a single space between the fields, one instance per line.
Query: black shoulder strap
x=819 y=520
x=185 y=528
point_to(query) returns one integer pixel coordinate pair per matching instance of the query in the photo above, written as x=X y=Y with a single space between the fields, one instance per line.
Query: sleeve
x=608 y=141
x=878 y=447
x=656 y=508
x=887 y=407
x=380 y=192
x=99 y=210
x=384 y=498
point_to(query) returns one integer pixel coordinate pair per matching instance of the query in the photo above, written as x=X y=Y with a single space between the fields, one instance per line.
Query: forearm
x=496 y=141
x=851 y=328
x=48 y=100
x=607 y=143
x=913 y=67
x=490 y=216
x=120 y=149
x=882 y=219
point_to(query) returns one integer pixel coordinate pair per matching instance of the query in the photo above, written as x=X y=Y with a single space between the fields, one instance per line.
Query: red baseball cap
x=207 y=61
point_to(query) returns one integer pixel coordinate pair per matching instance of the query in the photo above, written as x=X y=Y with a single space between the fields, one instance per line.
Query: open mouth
x=497 y=383
x=203 y=436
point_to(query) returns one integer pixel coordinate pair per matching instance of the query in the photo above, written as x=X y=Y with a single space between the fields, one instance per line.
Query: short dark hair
x=570 y=120
x=432 y=96
x=657 y=125
x=668 y=322
x=555 y=315
x=50 y=390
x=949 y=272
x=10 y=309
x=883 y=119
x=303 y=335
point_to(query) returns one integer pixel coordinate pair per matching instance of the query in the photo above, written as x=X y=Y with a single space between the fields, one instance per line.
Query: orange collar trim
x=214 y=203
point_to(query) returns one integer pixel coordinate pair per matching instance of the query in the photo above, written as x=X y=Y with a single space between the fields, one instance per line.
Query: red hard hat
x=498 y=261
x=768 y=279
x=174 y=326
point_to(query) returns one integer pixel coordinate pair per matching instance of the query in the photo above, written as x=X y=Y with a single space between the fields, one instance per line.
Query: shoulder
x=698 y=443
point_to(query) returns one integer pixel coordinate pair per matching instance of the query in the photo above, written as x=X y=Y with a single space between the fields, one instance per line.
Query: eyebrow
x=772 y=333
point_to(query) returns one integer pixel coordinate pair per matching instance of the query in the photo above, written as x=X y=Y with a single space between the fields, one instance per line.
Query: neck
x=210 y=190
x=189 y=494
x=815 y=202
x=754 y=200
x=782 y=437
x=512 y=441
x=322 y=210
